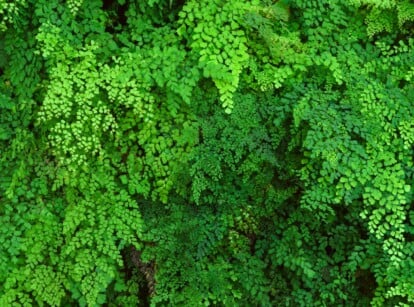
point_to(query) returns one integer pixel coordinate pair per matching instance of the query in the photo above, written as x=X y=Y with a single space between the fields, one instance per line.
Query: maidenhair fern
x=206 y=153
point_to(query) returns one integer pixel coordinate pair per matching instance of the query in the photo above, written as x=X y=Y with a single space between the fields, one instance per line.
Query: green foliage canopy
x=217 y=152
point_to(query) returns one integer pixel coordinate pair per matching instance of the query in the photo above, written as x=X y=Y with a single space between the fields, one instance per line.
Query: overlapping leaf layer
x=220 y=152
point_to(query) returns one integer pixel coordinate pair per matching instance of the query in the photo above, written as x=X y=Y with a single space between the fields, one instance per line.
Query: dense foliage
x=206 y=152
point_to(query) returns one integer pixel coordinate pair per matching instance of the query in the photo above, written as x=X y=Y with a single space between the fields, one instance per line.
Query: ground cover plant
x=220 y=152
